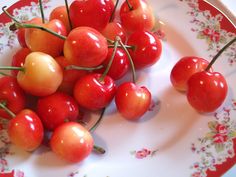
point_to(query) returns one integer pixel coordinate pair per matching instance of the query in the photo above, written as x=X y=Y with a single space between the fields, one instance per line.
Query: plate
x=172 y=139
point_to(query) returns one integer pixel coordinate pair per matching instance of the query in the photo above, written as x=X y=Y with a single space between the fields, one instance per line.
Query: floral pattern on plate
x=22 y=14
x=217 y=145
x=208 y=27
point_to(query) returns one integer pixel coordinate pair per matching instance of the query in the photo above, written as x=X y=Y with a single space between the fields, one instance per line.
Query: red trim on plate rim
x=4 y=18
x=223 y=168
x=225 y=23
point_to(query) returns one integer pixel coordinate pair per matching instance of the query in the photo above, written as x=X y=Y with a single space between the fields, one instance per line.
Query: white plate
x=172 y=132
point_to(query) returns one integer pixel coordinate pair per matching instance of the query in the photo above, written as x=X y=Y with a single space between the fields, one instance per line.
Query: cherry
x=18 y=59
x=132 y=101
x=136 y=15
x=184 y=69
x=119 y=66
x=206 y=91
x=25 y=130
x=91 y=13
x=147 y=48
x=38 y=40
x=60 y=13
x=85 y=47
x=70 y=76
x=72 y=142
x=11 y=95
x=42 y=74
x=114 y=29
x=21 y=31
x=99 y=91
x=57 y=109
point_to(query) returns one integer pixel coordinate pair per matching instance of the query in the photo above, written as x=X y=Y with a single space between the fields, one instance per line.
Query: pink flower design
x=221 y=129
x=219 y=138
x=196 y=174
x=142 y=153
x=212 y=34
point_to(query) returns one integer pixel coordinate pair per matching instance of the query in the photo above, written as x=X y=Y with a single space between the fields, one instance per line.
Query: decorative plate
x=172 y=139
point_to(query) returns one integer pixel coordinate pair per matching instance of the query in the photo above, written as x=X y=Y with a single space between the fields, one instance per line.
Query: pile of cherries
x=71 y=63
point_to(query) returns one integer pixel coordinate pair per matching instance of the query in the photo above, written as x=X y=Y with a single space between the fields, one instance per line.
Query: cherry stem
x=9 y=15
x=98 y=121
x=12 y=68
x=98 y=149
x=110 y=41
x=126 y=46
x=3 y=106
x=25 y=25
x=17 y=25
x=219 y=53
x=82 y=68
x=111 y=59
x=41 y=10
x=129 y=5
x=68 y=14
x=114 y=11
x=130 y=60
x=4 y=74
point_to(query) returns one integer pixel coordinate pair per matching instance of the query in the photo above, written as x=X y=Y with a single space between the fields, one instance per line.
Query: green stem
x=83 y=68
x=99 y=149
x=126 y=46
x=25 y=25
x=98 y=121
x=9 y=15
x=111 y=60
x=130 y=60
x=129 y=5
x=110 y=41
x=3 y=106
x=4 y=74
x=68 y=14
x=41 y=10
x=114 y=10
x=12 y=68
x=219 y=53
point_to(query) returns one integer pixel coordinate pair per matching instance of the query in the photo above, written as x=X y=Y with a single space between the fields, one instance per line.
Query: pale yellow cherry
x=41 y=74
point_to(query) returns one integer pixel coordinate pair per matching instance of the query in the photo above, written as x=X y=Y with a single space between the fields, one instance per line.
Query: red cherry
x=26 y=130
x=147 y=48
x=72 y=142
x=140 y=17
x=114 y=29
x=18 y=59
x=85 y=47
x=99 y=93
x=60 y=13
x=132 y=101
x=69 y=76
x=91 y=13
x=38 y=40
x=11 y=95
x=184 y=69
x=57 y=109
x=120 y=64
x=206 y=91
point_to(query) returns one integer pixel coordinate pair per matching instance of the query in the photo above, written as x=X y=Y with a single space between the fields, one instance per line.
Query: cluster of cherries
x=71 y=63
x=206 y=90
